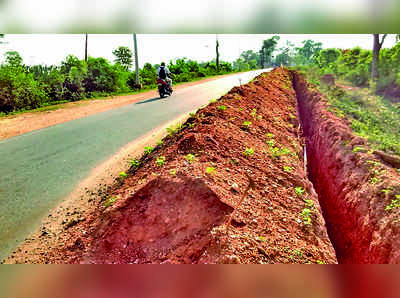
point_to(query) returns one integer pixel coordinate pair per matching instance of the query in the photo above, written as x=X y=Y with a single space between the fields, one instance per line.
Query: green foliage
x=359 y=149
x=135 y=163
x=148 y=75
x=123 y=57
x=267 y=49
x=13 y=59
x=286 y=55
x=123 y=175
x=246 y=124
x=306 y=214
x=109 y=202
x=105 y=77
x=174 y=129
x=308 y=52
x=211 y=171
x=372 y=117
x=19 y=90
x=172 y=172
x=160 y=161
x=309 y=203
x=270 y=143
x=148 y=150
x=250 y=58
x=299 y=191
x=354 y=66
x=190 y=158
x=326 y=59
x=222 y=108
x=30 y=87
x=248 y=152
x=394 y=204
x=288 y=169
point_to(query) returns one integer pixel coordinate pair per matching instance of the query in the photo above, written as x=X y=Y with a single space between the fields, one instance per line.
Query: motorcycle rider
x=164 y=73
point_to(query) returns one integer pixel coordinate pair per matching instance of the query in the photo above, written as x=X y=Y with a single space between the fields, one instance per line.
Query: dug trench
x=356 y=186
x=175 y=201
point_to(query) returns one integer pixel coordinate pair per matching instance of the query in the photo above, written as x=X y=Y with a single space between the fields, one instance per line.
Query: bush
x=148 y=75
x=19 y=90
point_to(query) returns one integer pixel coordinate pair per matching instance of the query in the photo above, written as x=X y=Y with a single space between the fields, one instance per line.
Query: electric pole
x=136 y=60
x=216 y=47
x=86 y=39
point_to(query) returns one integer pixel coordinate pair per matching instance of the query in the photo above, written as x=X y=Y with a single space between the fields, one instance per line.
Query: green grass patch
x=372 y=117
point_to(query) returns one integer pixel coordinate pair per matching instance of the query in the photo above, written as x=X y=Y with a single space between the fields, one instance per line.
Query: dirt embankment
x=355 y=187
x=174 y=206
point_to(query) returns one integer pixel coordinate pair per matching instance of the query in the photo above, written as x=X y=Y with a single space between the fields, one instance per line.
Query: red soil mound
x=165 y=218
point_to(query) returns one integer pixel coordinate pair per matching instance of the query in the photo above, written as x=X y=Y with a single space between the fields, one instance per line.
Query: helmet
x=162 y=63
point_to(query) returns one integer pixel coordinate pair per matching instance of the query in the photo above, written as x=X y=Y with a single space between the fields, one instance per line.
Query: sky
x=194 y=16
x=51 y=49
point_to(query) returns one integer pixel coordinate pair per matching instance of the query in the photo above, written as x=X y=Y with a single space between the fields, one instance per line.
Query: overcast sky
x=154 y=48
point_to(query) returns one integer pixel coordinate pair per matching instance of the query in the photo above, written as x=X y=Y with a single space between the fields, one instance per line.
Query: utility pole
x=86 y=39
x=136 y=60
x=216 y=47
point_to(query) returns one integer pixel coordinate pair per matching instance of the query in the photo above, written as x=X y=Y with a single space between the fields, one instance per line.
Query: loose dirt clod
x=251 y=185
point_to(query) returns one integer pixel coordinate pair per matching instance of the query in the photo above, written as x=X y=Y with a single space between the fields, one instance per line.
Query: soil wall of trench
x=354 y=186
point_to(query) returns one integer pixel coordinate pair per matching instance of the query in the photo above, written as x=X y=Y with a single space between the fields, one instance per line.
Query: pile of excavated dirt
x=174 y=207
x=175 y=210
x=357 y=187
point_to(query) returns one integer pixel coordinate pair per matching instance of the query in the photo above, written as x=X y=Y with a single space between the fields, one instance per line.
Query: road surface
x=39 y=169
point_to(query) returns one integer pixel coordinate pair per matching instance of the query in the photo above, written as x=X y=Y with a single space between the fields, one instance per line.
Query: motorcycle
x=164 y=89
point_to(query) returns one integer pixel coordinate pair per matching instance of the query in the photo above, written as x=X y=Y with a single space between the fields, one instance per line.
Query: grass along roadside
x=372 y=117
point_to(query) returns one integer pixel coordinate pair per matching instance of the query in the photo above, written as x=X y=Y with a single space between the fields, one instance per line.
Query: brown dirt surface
x=174 y=210
x=355 y=184
x=22 y=123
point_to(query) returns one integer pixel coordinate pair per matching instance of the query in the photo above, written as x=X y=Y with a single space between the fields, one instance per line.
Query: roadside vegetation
x=371 y=105
x=26 y=87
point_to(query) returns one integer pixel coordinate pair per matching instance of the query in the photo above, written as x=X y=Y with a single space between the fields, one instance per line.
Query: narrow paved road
x=40 y=168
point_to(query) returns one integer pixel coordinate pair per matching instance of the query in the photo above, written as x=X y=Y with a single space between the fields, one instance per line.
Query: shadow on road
x=148 y=100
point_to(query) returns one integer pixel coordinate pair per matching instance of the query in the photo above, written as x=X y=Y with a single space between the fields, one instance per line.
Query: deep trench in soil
x=324 y=196
x=354 y=207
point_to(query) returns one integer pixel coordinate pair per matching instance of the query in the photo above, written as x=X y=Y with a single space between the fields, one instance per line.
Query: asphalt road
x=40 y=168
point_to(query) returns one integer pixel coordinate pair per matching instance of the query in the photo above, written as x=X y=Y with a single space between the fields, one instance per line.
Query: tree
x=13 y=58
x=326 y=58
x=308 y=51
x=268 y=47
x=375 y=55
x=251 y=58
x=261 y=56
x=123 y=57
x=240 y=65
x=285 y=55
x=1 y=37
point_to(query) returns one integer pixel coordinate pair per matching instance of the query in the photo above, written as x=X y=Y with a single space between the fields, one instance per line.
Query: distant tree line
x=359 y=67
x=24 y=87
x=30 y=87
